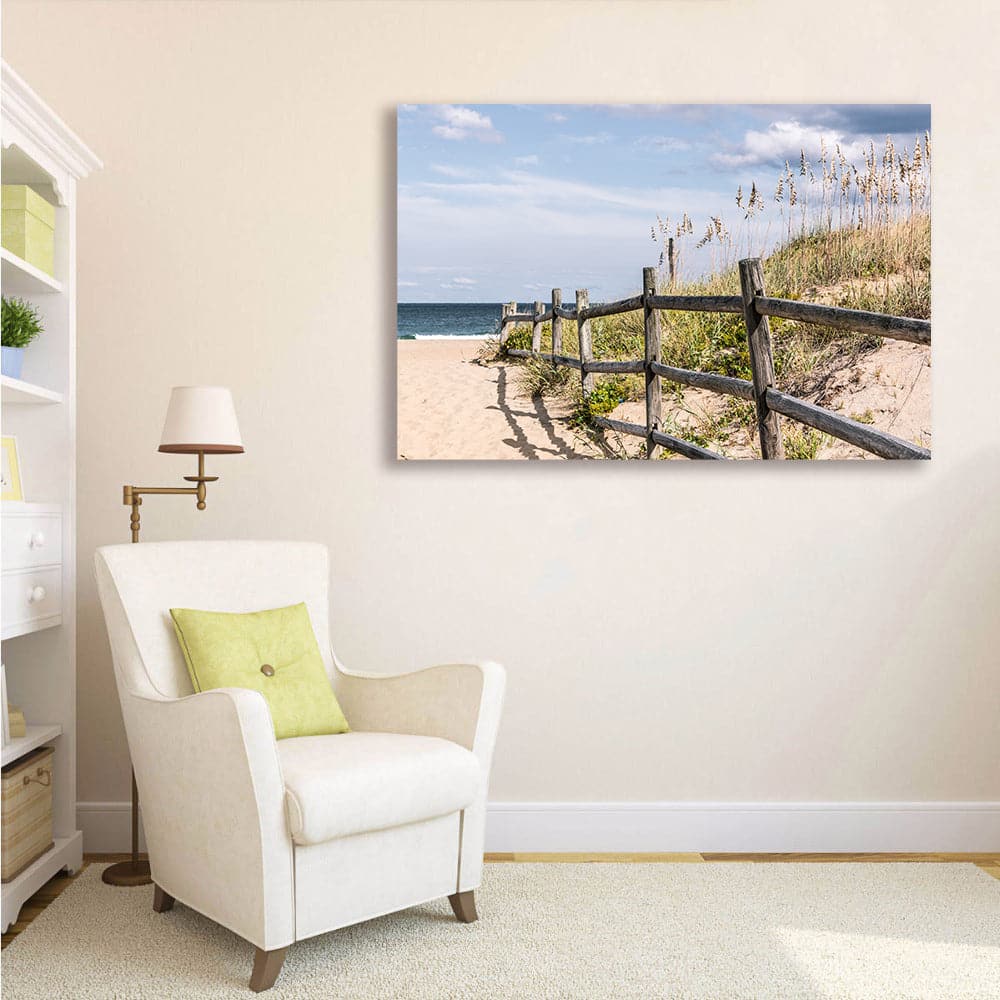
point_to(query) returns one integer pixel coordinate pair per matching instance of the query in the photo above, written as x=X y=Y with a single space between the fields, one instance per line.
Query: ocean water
x=423 y=320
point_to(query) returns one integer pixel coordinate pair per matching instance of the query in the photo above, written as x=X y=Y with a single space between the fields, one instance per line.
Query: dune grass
x=854 y=237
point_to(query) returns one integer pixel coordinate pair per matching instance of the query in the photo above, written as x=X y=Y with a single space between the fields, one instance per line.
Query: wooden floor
x=989 y=863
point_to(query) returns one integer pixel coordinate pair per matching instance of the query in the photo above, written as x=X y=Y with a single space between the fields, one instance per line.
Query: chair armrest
x=213 y=808
x=456 y=701
x=460 y=702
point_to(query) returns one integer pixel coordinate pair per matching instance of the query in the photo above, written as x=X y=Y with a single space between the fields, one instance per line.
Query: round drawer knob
x=36 y=594
x=37 y=540
x=267 y=670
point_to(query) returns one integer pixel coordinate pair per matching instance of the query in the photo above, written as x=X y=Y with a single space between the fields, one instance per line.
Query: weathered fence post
x=671 y=259
x=651 y=320
x=556 y=321
x=586 y=347
x=504 y=311
x=506 y=325
x=761 y=358
x=536 y=329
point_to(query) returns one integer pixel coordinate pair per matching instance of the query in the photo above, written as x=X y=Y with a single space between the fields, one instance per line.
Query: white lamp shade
x=201 y=418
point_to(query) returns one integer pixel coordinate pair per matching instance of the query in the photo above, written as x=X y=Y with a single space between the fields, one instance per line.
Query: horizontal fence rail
x=722 y=384
x=667 y=441
x=917 y=331
x=636 y=430
x=615 y=367
x=611 y=308
x=860 y=435
x=685 y=448
x=755 y=307
x=697 y=303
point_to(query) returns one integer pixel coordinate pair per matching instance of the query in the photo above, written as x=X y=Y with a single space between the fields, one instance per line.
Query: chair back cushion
x=139 y=583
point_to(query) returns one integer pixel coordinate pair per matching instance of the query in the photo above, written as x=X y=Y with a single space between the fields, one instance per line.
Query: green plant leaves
x=20 y=322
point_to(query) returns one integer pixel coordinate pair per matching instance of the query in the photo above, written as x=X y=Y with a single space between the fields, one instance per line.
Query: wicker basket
x=27 y=811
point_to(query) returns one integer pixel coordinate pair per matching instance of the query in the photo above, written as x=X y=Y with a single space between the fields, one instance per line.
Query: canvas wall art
x=664 y=282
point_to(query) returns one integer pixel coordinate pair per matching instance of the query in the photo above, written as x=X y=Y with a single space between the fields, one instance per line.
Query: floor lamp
x=201 y=420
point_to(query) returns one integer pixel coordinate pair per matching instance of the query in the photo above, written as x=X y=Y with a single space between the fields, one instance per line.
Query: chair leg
x=162 y=901
x=464 y=905
x=266 y=967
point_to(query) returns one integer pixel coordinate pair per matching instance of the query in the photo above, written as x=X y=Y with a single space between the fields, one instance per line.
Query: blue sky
x=505 y=201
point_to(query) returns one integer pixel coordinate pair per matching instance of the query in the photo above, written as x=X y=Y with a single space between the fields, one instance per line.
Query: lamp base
x=127 y=873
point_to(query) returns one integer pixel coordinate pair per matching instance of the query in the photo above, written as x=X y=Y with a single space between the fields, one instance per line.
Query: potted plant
x=20 y=325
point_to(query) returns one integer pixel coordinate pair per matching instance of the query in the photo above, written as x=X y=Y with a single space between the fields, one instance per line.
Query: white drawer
x=31 y=539
x=32 y=600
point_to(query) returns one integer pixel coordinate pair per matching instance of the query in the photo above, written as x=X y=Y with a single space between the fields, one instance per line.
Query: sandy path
x=448 y=406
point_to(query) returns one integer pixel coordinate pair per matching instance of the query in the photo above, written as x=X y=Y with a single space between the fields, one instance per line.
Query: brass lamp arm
x=131 y=491
x=132 y=495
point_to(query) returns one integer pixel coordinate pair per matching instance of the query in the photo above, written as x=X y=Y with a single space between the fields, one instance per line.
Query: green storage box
x=29 y=223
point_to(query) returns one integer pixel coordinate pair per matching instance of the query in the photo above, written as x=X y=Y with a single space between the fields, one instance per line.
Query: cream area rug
x=559 y=930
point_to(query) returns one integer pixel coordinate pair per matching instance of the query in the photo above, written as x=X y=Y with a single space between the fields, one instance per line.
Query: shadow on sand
x=519 y=419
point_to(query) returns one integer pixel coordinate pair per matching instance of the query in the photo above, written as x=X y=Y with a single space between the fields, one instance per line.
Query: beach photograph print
x=663 y=282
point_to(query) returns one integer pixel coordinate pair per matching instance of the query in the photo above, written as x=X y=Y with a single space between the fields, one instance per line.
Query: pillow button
x=267 y=670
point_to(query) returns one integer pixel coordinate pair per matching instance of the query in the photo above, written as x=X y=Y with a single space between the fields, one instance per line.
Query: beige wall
x=677 y=632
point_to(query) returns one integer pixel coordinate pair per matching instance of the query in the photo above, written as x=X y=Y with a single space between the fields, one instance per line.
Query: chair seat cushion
x=357 y=782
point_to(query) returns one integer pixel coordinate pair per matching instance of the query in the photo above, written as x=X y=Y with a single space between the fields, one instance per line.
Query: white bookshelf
x=34 y=737
x=15 y=390
x=22 y=278
x=38 y=560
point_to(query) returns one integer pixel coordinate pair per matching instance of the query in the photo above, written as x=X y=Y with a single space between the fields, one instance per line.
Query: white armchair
x=280 y=840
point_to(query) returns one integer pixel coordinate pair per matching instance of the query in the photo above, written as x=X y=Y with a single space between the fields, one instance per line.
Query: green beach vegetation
x=856 y=236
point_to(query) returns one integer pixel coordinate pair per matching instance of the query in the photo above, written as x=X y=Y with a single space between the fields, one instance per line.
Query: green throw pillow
x=273 y=652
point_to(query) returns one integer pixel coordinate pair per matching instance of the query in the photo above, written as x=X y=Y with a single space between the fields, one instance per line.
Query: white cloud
x=784 y=140
x=663 y=143
x=478 y=229
x=406 y=201
x=464 y=117
x=408 y=284
x=588 y=140
x=555 y=116
x=463 y=123
x=447 y=170
x=435 y=268
x=517 y=187
x=526 y=161
x=464 y=281
x=447 y=132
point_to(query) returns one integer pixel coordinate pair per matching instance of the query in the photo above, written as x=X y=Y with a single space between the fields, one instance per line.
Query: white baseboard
x=686 y=826
x=107 y=827
x=771 y=827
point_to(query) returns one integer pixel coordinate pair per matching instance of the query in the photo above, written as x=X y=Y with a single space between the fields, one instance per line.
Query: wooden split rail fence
x=755 y=307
